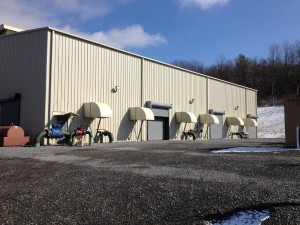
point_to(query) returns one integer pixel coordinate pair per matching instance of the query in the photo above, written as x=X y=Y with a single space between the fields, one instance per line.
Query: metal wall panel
x=84 y=72
x=23 y=70
x=166 y=84
x=251 y=99
x=228 y=97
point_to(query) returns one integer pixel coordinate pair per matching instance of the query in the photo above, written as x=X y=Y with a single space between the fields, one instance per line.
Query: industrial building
x=47 y=75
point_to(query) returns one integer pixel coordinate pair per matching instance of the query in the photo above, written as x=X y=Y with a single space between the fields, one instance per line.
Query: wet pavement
x=163 y=182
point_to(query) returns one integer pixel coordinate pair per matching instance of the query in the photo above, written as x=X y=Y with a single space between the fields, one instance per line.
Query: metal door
x=216 y=130
x=158 y=129
x=252 y=132
x=155 y=129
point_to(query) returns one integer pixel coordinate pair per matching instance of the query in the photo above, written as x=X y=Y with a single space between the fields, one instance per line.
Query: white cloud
x=57 y=13
x=204 y=4
x=68 y=14
x=82 y=9
x=129 y=37
x=22 y=15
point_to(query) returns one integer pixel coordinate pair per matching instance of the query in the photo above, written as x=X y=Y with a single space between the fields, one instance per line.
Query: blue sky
x=167 y=30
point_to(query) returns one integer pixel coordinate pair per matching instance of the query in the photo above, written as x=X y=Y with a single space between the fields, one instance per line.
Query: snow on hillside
x=271 y=122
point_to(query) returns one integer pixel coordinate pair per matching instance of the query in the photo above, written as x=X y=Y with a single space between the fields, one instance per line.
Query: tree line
x=274 y=77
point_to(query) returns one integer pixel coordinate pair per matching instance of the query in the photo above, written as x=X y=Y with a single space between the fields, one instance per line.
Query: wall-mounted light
x=192 y=101
x=236 y=108
x=115 y=89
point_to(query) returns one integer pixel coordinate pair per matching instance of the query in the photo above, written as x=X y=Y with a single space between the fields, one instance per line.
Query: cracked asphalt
x=155 y=182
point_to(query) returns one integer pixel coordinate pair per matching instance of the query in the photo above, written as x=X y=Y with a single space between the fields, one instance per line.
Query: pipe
x=98 y=137
x=90 y=137
x=110 y=136
x=237 y=134
x=73 y=134
x=67 y=134
x=189 y=133
x=183 y=135
x=38 y=138
x=47 y=134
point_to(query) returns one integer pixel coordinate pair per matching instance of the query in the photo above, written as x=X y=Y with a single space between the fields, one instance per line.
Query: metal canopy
x=65 y=114
x=185 y=117
x=250 y=122
x=208 y=119
x=141 y=113
x=97 y=110
x=235 y=121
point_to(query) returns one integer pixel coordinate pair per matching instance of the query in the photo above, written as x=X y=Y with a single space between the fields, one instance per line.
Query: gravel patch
x=159 y=182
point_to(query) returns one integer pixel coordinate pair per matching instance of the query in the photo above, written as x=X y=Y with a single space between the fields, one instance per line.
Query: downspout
x=207 y=110
x=50 y=77
x=246 y=102
x=207 y=94
x=142 y=94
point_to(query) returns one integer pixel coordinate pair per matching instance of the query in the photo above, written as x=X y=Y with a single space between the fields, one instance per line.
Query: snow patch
x=248 y=217
x=252 y=149
x=271 y=122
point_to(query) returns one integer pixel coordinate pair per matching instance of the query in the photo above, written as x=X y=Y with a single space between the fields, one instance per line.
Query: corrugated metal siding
x=227 y=97
x=166 y=84
x=251 y=97
x=23 y=70
x=84 y=72
x=231 y=98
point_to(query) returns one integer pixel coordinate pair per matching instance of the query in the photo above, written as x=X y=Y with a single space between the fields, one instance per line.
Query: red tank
x=12 y=136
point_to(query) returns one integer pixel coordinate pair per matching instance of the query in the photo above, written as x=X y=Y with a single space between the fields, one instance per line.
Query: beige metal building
x=46 y=73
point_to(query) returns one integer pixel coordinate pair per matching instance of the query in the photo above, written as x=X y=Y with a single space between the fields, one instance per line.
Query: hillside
x=271 y=122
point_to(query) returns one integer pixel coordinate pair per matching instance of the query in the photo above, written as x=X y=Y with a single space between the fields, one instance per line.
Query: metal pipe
x=90 y=137
x=110 y=135
x=38 y=138
x=73 y=134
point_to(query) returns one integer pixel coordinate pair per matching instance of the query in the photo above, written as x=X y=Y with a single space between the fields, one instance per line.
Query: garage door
x=216 y=130
x=158 y=129
x=252 y=132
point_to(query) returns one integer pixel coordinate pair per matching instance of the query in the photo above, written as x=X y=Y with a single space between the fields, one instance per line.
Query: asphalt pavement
x=155 y=182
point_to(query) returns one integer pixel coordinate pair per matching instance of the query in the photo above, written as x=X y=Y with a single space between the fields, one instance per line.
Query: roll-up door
x=158 y=129
x=216 y=130
x=251 y=123
x=252 y=131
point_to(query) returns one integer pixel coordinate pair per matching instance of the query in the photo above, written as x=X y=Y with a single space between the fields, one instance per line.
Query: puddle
x=252 y=217
x=252 y=149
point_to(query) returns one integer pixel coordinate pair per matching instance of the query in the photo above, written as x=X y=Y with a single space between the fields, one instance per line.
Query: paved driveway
x=166 y=182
